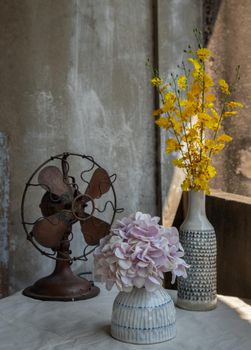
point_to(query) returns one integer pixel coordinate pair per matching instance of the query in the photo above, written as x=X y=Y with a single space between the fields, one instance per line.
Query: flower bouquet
x=137 y=253
x=134 y=257
x=192 y=117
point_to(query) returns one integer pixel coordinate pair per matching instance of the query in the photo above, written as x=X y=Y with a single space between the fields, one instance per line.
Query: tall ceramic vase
x=198 y=291
x=143 y=317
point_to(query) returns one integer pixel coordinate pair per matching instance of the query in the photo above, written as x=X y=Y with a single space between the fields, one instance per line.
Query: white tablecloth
x=28 y=324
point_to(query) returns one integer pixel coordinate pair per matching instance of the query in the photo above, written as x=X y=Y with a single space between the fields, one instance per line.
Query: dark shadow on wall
x=210 y=12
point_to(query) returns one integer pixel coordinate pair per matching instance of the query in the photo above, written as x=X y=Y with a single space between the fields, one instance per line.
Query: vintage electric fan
x=64 y=204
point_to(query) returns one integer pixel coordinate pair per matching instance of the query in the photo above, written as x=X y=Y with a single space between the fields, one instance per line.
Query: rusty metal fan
x=63 y=205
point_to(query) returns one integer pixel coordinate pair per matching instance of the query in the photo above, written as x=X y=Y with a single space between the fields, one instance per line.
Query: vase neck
x=196 y=218
x=196 y=203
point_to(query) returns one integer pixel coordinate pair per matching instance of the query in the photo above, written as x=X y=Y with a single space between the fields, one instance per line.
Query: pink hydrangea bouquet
x=137 y=252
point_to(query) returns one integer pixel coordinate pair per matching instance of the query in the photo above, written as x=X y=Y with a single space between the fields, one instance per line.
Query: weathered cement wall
x=176 y=21
x=4 y=215
x=230 y=42
x=73 y=77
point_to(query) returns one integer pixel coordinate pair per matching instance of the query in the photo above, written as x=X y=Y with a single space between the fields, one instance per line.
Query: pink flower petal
x=137 y=252
x=151 y=285
x=125 y=264
x=119 y=253
x=142 y=272
x=138 y=282
x=142 y=264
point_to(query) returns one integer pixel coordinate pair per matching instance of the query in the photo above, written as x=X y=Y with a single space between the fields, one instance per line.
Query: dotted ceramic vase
x=142 y=317
x=198 y=291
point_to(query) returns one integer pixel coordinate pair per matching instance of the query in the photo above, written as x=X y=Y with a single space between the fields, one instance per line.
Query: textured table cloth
x=28 y=324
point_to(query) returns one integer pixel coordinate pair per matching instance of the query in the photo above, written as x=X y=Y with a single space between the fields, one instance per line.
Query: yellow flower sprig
x=188 y=112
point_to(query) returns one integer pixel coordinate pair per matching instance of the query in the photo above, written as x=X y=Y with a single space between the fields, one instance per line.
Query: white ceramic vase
x=198 y=291
x=142 y=317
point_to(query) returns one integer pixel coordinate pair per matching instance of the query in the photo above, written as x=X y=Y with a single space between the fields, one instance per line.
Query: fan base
x=31 y=293
x=62 y=285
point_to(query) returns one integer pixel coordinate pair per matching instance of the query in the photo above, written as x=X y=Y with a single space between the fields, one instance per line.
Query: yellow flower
x=212 y=124
x=208 y=82
x=163 y=123
x=164 y=87
x=209 y=143
x=203 y=54
x=209 y=101
x=177 y=126
x=172 y=145
x=198 y=71
x=186 y=185
x=179 y=163
x=157 y=112
x=201 y=182
x=192 y=132
x=192 y=135
x=215 y=114
x=227 y=114
x=156 y=81
x=211 y=171
x=224 y=87
x=234 y=104
x=182 y=82
x=210 y=98
x=170 y=99
x=168 y=106
x=196 y=64
x=170 y=96
x=209 y=105
x=183 y=102
x=204 y=117
x=195 y=120
x=224 y=138
x=194 y=91
x=217 y=148
x=212 y=145
x=189 y=108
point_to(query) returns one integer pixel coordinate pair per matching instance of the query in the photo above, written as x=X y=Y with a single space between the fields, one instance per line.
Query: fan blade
x=94 y=229
x=99 y=184
x=50 y=231
x=52 y=204
x=52 y=180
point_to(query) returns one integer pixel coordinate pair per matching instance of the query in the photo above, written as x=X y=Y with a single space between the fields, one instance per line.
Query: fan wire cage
x=62 y=206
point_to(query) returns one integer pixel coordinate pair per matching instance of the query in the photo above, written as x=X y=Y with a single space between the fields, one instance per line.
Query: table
x=28 y=324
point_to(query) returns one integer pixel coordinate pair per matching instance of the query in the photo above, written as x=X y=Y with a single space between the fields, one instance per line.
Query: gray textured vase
x=142 y=317
x=198 y=291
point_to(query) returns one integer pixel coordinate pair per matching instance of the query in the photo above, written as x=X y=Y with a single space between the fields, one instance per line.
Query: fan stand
x=62 y=284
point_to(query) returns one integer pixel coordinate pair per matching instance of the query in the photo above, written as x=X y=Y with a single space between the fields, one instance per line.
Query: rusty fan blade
x=51 y=179
x=99 y=184
x=94 y=229
x=52 y=204
x=50 y=231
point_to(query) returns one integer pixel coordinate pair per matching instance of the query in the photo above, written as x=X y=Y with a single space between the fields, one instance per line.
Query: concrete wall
x=73 y=78
x=4 y=214
x=176 y=21
x=230 y=42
